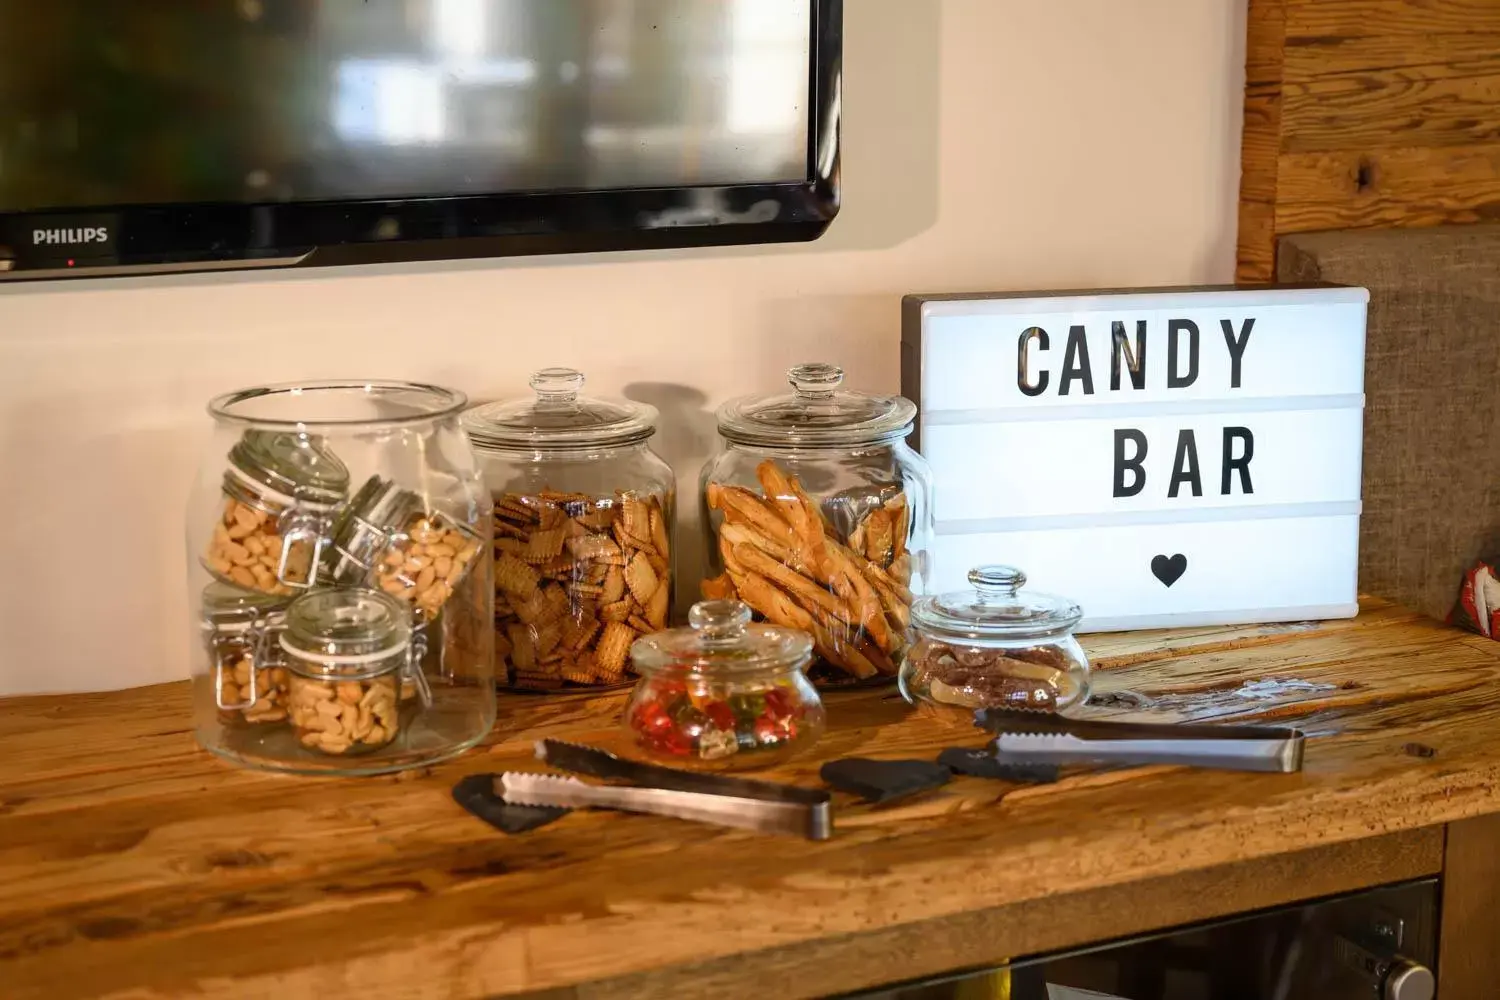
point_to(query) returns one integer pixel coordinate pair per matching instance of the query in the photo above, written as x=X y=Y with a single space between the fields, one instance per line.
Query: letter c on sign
x=1023 y=371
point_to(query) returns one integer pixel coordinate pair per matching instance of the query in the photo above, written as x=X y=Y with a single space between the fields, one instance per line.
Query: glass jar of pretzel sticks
x=583 y=529
x=819 y=517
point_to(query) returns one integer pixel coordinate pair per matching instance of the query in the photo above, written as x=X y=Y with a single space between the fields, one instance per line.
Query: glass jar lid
x=719 y=639
x=367 y=525
x=347 y=627
x=229 y=609
x=816 y=412
x=289 y=467
x=559 y=417
x=996 y=608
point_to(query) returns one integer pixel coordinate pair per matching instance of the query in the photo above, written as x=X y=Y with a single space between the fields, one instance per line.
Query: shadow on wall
x=889 y=162
x=687 y=435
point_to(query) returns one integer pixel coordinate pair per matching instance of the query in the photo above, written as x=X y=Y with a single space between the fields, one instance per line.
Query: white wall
x=990 y=144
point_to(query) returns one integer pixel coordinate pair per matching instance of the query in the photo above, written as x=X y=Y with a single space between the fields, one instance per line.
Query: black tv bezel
x=147 y=239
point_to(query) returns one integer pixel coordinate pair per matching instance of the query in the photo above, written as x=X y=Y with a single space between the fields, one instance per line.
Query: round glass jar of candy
x=819 y=516
x=995 y=646
x=272 y=501
x=583 y=513
x=724 y=694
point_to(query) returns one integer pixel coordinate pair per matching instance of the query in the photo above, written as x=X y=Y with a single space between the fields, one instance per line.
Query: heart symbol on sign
x=1169 y=570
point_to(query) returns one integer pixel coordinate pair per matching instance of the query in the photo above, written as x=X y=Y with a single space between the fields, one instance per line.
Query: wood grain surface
x=1367 y=113
x=1469 y=939
x=134 y=865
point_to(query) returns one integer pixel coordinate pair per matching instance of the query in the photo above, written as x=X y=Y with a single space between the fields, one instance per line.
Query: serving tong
x=1036 y=738
x=664 y=791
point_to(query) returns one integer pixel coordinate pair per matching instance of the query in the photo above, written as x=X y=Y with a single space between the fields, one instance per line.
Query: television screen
x=280 y=102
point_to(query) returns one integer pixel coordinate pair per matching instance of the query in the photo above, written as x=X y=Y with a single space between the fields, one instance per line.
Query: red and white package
x=1478 y=607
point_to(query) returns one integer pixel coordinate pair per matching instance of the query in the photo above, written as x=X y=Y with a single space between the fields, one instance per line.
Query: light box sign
x=1165 y=458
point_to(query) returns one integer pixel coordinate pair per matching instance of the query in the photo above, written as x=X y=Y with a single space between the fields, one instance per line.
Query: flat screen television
x=199 y=134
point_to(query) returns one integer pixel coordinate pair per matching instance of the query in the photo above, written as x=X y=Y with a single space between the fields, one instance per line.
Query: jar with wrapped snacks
x=995 y=646
x=819 y=517
x=583 y=513
x=352 y=634
x=279 y=492
x=724 y=694
x=242 y=630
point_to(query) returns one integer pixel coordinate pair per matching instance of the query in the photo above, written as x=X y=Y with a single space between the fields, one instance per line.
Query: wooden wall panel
x=1367 y=113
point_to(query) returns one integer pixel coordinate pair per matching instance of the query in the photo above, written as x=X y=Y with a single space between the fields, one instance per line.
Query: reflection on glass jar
x=411 y=540
x=583 y=523
x=724 y=694
x=995 y=646
x=820 y=518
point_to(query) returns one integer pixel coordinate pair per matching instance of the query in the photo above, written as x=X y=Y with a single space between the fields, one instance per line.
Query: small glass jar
x=724 y=694
x=385 y=538
x=242 y=631
x=348 y=651
x=583 y=525
x=995 y=646
x=819 y=517
x=280 y=491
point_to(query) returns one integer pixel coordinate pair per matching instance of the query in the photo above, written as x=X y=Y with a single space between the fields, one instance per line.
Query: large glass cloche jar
x=583 y=512
x=338 y=628
x=996 y=645
x=819 y=517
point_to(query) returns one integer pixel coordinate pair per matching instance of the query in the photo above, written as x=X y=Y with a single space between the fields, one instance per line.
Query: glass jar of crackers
x=583 y=528
x=819 y=517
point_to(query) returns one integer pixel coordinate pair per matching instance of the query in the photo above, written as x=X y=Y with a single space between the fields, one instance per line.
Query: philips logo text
x=66 y=237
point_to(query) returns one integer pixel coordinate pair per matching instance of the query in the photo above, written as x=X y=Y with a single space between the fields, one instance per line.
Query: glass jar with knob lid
x=583 y=514
x=723 y=693
x=819 y=517
x=997 y=645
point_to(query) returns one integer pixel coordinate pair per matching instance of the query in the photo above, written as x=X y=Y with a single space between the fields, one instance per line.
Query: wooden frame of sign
x=1165 y=457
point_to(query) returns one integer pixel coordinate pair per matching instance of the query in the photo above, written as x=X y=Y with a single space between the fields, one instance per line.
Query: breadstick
x=739 y=504
x=799 y=587
x=777 y=607
x=850 y=584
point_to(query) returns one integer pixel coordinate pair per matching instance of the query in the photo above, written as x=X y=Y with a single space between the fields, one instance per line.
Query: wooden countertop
x=134 y=865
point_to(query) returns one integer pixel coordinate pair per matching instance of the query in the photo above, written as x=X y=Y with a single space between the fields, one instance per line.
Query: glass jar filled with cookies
x=819 y=517
x=583 y=527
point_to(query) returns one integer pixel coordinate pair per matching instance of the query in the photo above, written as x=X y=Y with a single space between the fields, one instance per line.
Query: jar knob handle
x=996 y=583
x=815 y=380
x=557 y=385
x=719 y=620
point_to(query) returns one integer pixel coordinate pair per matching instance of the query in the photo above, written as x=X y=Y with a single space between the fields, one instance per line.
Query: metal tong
x=1034 y=738
x=664 y=791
